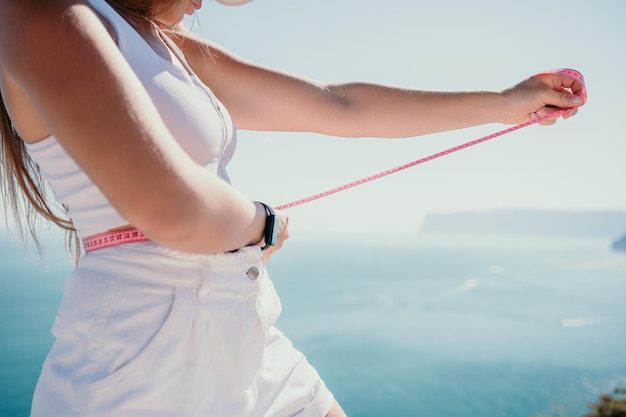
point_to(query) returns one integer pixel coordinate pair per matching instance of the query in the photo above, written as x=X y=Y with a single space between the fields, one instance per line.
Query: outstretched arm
x=264 y=99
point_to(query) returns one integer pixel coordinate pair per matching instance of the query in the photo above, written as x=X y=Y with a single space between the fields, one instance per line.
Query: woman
x=132 y=121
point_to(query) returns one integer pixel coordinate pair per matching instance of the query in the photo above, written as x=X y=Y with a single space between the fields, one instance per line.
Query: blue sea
x=428 y=326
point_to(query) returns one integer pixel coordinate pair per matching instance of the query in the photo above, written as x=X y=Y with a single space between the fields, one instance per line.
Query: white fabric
x=197 y=120
x=144 y=331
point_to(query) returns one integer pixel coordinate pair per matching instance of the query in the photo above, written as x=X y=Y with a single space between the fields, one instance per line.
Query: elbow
x=183 y=235
x=172 y=232
x=175 y=226
x=340 y=96
x=170 y=229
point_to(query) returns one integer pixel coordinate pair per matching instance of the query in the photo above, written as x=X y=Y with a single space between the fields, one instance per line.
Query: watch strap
x=270 y=233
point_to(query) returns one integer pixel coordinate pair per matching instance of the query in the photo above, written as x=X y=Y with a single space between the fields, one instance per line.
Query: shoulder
x=209 y=60
x=41 y=24
x=49 y=49
x=198 y=48
x=31 y=16
x=193 y=46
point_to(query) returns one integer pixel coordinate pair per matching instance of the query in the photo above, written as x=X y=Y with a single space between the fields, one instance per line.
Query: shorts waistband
x=150 y=262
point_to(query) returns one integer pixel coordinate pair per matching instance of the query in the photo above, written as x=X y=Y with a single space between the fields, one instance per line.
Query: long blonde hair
x=24 y=192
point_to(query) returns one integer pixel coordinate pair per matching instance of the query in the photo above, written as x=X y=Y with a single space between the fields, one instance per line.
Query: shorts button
x=253 y=273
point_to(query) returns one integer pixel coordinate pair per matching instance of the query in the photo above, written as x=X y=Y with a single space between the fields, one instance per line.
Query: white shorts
x=144 y=331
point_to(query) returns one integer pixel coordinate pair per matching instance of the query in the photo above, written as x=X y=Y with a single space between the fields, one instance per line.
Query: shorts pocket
x=143 y=367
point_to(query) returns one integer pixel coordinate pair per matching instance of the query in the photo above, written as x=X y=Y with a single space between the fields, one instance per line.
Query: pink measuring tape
x=130 y=235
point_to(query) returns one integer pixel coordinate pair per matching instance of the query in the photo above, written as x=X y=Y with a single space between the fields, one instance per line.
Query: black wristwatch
x=270 y=234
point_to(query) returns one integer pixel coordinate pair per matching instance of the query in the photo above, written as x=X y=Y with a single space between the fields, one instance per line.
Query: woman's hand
x=283 y=234
x=542 y=95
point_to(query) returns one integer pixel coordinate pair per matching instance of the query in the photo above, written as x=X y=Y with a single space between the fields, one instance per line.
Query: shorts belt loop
x=205 y=285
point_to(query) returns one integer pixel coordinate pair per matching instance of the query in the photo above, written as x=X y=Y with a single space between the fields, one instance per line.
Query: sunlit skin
x=204 y=214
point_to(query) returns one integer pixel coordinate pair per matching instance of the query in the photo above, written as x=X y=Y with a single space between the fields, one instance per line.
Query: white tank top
x=193 y=115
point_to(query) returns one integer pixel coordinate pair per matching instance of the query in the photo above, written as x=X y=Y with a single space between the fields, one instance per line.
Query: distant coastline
x=610 y=225
x=620 y=244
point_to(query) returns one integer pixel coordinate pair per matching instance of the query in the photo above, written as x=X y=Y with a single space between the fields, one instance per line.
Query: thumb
x=566 y=100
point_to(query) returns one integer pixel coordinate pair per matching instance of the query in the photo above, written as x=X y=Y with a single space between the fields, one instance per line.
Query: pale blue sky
x=445 y=45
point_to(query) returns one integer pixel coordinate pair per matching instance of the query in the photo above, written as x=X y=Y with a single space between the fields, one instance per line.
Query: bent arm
x=90 y=99
x=264 y=99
